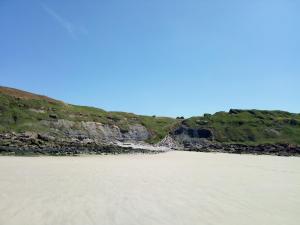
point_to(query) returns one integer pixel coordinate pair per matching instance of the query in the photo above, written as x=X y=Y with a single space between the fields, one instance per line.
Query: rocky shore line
x=262 y=149
x=29 y=143
x=39 y=144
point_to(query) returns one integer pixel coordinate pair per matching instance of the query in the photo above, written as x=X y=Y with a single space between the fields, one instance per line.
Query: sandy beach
x=178 y=188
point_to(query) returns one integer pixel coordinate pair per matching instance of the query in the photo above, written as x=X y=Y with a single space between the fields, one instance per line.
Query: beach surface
x=172 y=188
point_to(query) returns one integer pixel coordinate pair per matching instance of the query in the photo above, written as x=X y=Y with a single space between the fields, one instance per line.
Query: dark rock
x=53 y=116
x=194 y=133
x=294 y=122
x=263 y=149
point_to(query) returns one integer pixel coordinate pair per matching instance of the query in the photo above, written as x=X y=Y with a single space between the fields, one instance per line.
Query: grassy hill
x=22 y=111
x=250 y=126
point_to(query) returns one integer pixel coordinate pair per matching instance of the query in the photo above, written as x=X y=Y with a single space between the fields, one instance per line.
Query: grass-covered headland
x=21 y=111
x=250 y=126
x=36 y=122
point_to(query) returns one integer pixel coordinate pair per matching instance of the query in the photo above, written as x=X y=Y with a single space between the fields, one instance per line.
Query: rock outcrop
x=100 y=133
x=44 y=144
x=202 y=140
x=192 y=137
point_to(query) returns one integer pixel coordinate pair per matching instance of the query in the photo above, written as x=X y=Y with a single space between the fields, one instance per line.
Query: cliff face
x=96 y=131
x=29 y=121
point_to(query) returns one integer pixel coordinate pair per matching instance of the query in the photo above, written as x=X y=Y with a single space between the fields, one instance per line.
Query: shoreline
x=73 y=151
x=28 y=144
x=272 y=150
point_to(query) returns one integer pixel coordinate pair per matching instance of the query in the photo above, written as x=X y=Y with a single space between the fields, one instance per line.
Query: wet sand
x=173 y=188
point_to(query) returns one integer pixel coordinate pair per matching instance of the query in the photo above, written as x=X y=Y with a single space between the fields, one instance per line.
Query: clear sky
x=162 y=57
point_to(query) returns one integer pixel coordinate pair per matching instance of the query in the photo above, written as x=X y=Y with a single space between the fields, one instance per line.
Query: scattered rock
x=46 y=137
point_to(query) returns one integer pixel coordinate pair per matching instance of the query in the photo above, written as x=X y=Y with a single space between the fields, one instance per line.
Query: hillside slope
x=22 y=111
x=29 y=120
x=245 y=127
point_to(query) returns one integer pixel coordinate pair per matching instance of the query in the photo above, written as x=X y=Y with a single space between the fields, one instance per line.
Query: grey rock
x=46 y=137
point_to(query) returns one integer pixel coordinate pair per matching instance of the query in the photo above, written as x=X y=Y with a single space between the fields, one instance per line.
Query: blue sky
x=162 y=57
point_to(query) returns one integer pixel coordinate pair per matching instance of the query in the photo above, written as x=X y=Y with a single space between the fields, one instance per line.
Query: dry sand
x=173 y=188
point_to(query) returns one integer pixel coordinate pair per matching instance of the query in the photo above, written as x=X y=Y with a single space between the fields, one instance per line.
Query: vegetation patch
x=250 y=126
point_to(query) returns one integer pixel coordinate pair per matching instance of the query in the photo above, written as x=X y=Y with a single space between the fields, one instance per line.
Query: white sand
x=174 y=188
x=143 y=145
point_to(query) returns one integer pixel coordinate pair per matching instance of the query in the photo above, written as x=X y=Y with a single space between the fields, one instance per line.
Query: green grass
x=158 y=126
x=238 y=126
x=251 y=126
x=18 y=115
